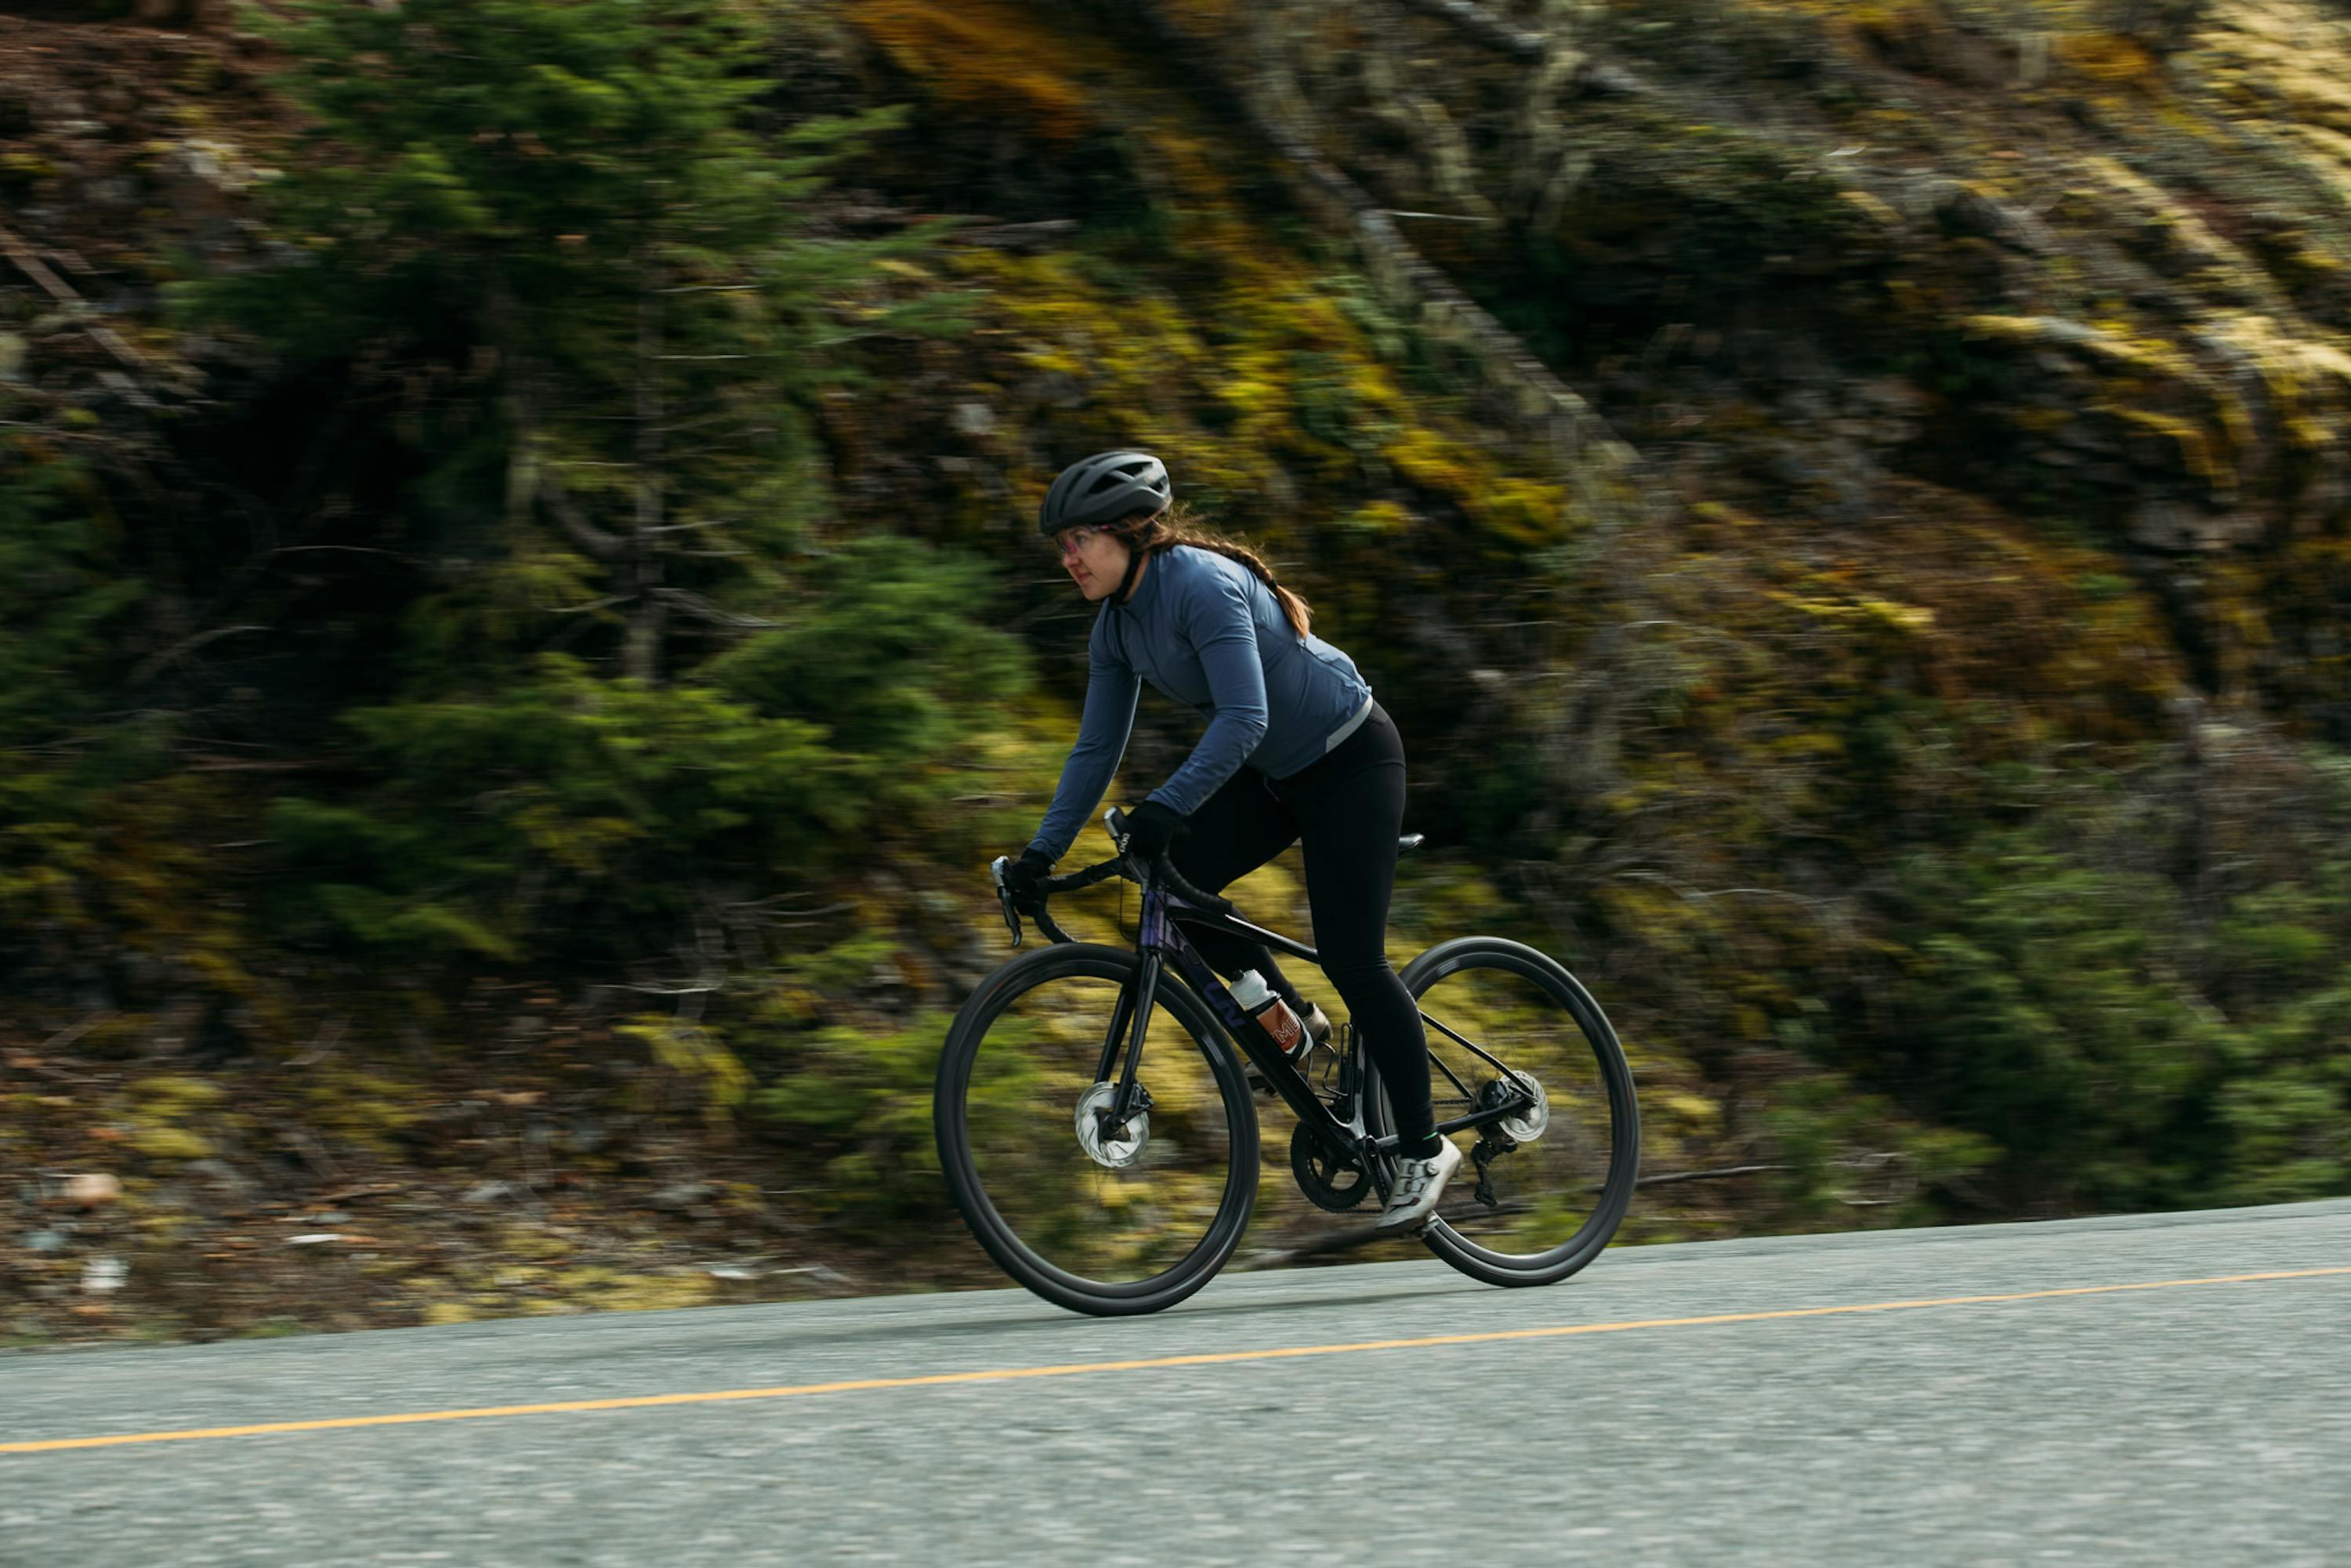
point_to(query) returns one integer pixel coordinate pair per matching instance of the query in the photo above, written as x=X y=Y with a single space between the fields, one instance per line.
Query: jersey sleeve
x=1111 y=692
x=1215 y=618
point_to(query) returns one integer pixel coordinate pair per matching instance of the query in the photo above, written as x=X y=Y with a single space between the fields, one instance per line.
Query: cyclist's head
x=1090 y=513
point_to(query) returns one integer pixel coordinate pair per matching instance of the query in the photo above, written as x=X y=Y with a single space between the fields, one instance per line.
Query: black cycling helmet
x=1102 y=489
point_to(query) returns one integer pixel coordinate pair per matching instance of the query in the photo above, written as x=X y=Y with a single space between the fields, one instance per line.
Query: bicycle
x=1112 y=1191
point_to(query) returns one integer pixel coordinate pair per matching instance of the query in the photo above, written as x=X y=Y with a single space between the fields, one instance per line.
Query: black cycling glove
x=1021 y=876
x=1151 y=830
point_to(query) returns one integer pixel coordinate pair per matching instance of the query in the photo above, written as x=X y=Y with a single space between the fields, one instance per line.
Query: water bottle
x=1272 y=1014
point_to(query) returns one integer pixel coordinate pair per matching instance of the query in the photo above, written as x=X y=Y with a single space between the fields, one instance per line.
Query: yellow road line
x=1214 y=1358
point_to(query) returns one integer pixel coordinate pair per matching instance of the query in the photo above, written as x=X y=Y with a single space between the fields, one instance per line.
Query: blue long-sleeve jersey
x=1203 y=629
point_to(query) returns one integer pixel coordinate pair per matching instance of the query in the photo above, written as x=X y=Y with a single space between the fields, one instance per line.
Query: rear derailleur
x=1492 y=1142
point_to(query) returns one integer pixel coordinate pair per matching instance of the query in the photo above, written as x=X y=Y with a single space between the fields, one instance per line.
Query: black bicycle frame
x=1158 y=936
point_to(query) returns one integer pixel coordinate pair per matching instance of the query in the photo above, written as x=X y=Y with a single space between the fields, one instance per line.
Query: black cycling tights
x=1347 y=809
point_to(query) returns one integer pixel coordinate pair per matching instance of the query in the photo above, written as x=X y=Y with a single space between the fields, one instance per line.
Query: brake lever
x=1004 y=896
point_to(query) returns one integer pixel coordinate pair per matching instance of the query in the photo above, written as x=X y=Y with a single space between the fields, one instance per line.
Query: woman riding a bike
x=1296 y=751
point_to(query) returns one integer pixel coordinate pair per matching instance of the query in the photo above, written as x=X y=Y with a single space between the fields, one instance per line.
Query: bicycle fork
x=1133 y=1009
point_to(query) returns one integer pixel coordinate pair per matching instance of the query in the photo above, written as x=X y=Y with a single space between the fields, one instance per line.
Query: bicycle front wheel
x=1504 y=1019
x=1100 y=1218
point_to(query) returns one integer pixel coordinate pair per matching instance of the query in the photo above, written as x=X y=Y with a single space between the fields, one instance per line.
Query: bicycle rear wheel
x=1562 y=1190
x=1108 y=1222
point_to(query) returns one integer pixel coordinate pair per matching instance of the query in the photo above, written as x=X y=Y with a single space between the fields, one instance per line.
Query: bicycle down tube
x=1160 y=935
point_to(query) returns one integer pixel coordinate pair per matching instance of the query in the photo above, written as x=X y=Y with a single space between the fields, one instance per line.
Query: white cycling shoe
x=1418 y=1185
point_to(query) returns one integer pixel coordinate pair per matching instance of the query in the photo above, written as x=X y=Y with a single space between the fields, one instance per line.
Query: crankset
x=1328 y=1181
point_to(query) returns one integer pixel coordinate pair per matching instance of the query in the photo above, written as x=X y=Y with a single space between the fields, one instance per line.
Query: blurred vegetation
x=523 y=623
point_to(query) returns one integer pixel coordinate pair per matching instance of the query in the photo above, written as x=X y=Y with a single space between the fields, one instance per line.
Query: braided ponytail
x=1177 y=526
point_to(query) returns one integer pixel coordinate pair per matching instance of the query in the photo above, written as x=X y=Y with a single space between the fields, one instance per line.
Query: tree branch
x=154 y=663
x=694 y=604
x=591 y=538
x=1486 y=29
x=63 y=293
x=1670 y=1177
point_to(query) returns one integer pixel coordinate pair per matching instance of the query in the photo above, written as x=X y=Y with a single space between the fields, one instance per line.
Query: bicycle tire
x=1615 y=1074
x=1021 y=1258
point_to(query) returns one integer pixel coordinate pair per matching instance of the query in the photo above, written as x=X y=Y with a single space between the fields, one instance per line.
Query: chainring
x=1327 y=1184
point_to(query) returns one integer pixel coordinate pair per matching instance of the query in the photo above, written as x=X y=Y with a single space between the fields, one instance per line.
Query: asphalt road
x=2156 y=1412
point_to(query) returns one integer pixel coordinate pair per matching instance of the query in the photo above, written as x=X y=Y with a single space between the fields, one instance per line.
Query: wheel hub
x=1119 y=1145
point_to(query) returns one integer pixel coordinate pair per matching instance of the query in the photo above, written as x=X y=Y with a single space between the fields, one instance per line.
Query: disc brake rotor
x=1122 y=1151
x=1527 y=1124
